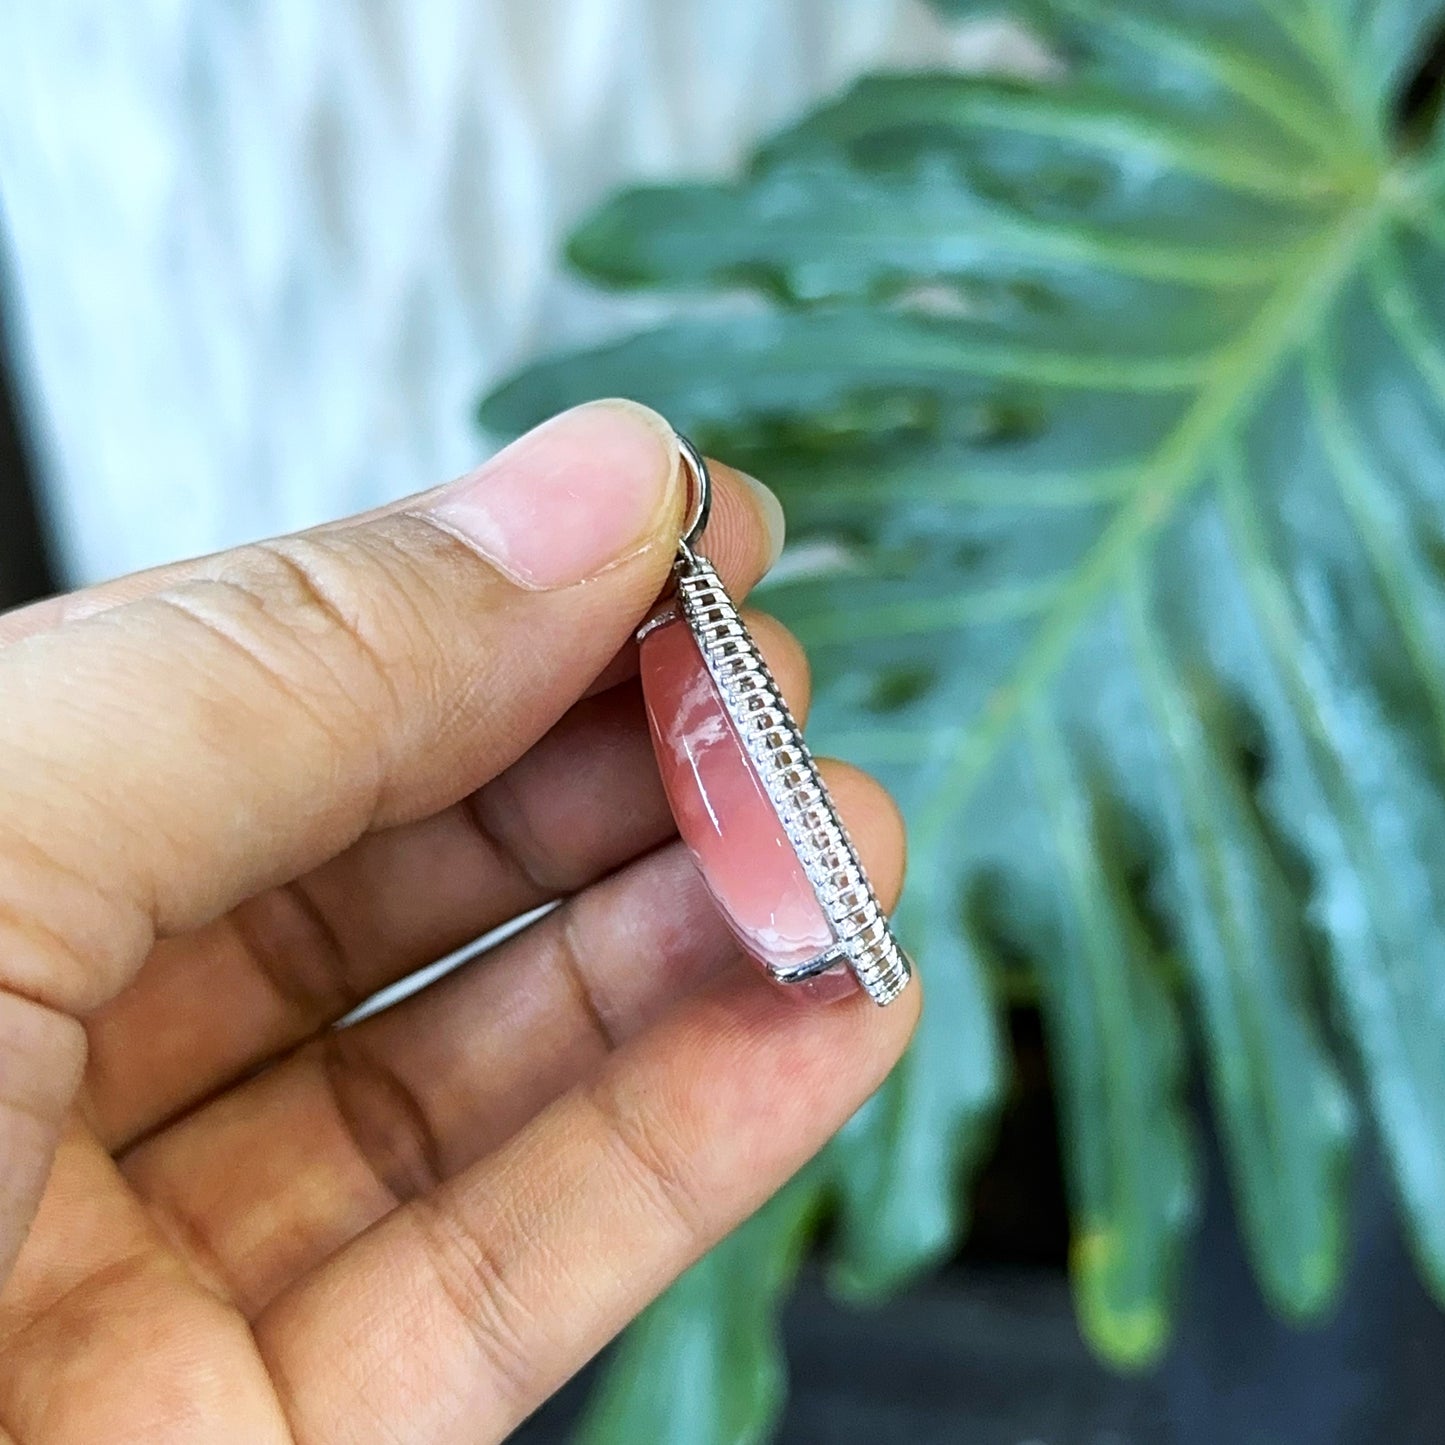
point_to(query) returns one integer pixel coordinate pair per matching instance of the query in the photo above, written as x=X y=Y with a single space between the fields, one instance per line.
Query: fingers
x=41 y=1057
x=458 y=1313
x=269 y=1179
x=105 y=1336
x=286 y=698
x=166 y=758
x=211 y=1006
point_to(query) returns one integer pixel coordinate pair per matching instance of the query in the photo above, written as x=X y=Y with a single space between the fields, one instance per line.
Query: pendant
x=748 y=799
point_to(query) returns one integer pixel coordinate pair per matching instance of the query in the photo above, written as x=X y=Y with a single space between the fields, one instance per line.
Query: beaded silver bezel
x=863 y=940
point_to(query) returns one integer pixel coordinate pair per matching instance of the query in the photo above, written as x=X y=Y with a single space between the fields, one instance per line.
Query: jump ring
x=701 y=493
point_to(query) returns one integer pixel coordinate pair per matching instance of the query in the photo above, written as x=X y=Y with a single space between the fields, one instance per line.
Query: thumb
x=172 y=755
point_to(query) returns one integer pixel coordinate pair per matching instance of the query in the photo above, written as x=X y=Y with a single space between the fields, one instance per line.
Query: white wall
x=264 y=256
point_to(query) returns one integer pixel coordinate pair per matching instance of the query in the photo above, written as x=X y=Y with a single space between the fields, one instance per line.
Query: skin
x=239 y=795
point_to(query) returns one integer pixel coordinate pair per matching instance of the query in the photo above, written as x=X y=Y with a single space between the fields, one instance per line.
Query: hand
x=238 y=796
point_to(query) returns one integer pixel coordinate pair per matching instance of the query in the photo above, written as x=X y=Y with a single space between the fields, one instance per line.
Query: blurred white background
x=263 y=257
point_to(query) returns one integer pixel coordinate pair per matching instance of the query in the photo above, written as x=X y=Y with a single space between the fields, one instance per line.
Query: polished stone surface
x=725 y=816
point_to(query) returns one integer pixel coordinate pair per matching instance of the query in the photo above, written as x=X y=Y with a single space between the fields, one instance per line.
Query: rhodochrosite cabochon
x=747 y=797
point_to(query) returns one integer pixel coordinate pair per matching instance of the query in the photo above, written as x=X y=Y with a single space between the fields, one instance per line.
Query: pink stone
x=726 y=818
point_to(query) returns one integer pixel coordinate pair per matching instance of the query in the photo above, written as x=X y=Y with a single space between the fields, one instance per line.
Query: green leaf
x=1116 y=1038
x=898 y=1168
x=1109 y=414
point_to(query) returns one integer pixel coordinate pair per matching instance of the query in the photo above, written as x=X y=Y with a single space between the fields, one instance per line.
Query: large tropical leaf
x=1109 y=414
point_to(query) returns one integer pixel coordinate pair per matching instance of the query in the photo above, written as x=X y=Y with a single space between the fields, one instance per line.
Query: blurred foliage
x=1108 y=409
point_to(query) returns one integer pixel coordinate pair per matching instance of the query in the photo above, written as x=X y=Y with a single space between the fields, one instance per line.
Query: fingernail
x=771 y=511
x=571 y=498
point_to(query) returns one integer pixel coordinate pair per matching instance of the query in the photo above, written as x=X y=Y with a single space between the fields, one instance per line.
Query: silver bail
x=700 y=489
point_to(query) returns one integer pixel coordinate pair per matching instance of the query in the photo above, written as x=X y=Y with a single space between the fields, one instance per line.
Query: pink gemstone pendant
x=747 y=796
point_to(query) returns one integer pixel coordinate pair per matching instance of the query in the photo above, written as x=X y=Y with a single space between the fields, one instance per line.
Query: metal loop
x=701 y=493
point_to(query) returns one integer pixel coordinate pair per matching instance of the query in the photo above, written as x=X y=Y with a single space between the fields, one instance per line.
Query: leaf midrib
x=1238 y=378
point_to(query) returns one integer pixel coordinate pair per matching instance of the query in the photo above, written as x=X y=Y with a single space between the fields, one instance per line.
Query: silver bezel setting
x=864 y=942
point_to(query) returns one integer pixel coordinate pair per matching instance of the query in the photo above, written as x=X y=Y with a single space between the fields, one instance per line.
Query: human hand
x=239 y=795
